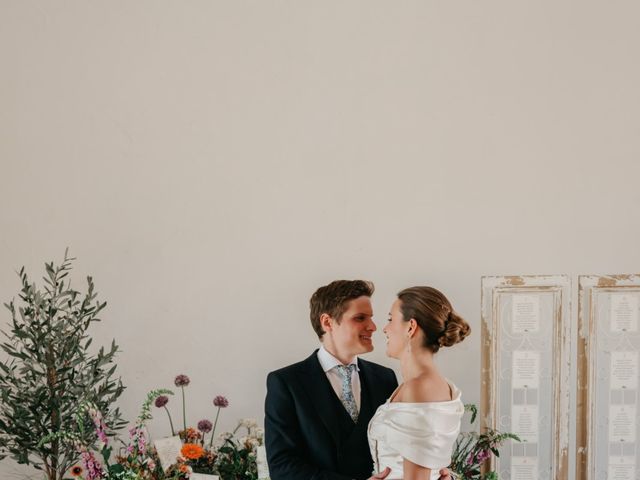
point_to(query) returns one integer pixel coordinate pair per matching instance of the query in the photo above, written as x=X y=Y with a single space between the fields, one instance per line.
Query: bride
x=411 y=436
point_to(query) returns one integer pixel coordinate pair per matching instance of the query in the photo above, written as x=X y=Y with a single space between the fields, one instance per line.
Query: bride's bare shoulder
x=427 y=388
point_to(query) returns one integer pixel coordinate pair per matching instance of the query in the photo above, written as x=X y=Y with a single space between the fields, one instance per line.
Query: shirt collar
x=328 y=361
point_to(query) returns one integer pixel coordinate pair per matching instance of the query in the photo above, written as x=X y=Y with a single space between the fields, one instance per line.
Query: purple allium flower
x=182 y=381
x=205 y=426
x=221 y=401
x=161 y=401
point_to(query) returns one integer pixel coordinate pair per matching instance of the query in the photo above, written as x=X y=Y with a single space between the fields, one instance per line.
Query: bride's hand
x=444 y=474
x=382 y=474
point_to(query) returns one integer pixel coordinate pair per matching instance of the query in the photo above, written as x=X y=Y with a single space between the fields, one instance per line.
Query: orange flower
x=183 y=468
x=191 y=451
x=76 y=471
x=190 y=435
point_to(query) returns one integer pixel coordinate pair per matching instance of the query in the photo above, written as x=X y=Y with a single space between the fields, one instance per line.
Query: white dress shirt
x=328 y=363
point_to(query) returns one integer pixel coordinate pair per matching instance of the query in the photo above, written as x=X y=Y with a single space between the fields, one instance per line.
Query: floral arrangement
x=135 y=463
x=473 y=449
x=229 y=457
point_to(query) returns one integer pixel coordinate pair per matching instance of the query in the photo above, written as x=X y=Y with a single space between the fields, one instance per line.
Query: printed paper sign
x=525 y=313
x=624 y=370
x=524 y=422
x=622 y=468
x=524 y=468
x=168 y=451
x=261 y=460
x=526 y=369
x=624 y=312
x=202 y=476
x=622 y=423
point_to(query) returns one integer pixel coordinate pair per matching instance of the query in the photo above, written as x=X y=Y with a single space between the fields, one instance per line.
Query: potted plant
x=50 y=369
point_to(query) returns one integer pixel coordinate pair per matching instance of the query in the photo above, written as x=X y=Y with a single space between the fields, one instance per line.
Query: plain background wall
x=212 y=163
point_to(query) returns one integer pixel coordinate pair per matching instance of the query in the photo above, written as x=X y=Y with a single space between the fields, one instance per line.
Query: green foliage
x=50 y=370
x=236 y=461
x=145 y=411
x=472 y=449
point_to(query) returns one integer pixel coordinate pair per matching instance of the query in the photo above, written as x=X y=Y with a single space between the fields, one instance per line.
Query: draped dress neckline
x=422 y=432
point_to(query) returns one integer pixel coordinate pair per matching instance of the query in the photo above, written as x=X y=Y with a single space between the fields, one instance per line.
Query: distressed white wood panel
x=608 y=430
x=526 y=335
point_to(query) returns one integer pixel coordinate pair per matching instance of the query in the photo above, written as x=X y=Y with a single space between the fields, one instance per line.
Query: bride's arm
x=415 y=472
x=418 y=472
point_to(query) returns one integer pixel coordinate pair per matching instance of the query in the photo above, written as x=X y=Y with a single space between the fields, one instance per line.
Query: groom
x=317 y=410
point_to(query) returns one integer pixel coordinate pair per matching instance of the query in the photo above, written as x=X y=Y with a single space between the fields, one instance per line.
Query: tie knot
x=345 y=371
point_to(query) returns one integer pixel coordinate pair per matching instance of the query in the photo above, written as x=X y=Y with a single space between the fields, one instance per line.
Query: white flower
x=250 y=442
x=259 y=433
x=249 y=423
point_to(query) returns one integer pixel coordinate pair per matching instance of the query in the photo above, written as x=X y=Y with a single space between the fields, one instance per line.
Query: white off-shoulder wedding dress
x=423 y=433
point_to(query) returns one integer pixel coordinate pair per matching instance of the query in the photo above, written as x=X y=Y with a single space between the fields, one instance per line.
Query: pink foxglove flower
x=92 y=466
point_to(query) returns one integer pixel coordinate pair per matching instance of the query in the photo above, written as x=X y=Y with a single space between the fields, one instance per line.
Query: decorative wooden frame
x=588 y=444
x=555 y=290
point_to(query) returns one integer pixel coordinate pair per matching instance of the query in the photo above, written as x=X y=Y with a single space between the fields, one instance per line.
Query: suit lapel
x=322 y=395
x=367 y=392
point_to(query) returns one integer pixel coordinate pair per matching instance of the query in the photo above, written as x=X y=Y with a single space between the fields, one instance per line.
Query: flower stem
x=184 y=413
x=173 y=432
x=213 y=432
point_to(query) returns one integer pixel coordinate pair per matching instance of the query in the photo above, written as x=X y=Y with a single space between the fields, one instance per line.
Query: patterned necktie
x=348 y=401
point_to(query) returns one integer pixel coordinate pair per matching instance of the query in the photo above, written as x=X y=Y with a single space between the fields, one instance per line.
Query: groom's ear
x=326 y=323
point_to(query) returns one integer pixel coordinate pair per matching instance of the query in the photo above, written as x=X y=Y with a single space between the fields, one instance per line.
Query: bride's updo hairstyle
x=434 y=315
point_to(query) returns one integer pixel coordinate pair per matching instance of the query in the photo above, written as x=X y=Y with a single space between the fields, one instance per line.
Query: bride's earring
x=408 y=347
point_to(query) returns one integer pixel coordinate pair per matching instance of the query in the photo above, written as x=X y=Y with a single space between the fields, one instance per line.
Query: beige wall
x=212 y=163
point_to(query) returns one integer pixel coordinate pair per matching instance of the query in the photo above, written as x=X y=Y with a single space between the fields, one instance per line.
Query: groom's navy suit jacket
x=308 y=433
